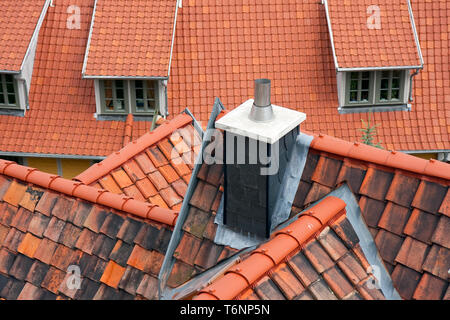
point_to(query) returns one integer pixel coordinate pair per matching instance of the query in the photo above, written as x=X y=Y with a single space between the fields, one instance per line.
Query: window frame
x=400 y=100
x=5 y=93
x=147 y=111
x=348 y=103
x=126 y=99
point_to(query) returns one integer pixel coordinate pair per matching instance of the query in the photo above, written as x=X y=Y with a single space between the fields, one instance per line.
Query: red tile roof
x=48 y=224
x=155 y=168
x=131 y=39
x=305 y=260
x=218 y=53
x=359 y=43
x=18 y=22
x=215 y=47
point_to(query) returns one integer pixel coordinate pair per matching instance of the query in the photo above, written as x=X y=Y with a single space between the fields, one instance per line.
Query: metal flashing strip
x=49 y=155
x=86 y=54
x=126 y=77
x=168 y=262
x=380 y=68
x=12 y=112
x=330 y=31
x=238 y=239
x=367 y=243
x=197 y=125
x=416 y=37
x=173 y=36
x=347 y=110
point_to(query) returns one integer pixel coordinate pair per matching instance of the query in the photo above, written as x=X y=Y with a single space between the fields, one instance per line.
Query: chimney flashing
x=237 y=121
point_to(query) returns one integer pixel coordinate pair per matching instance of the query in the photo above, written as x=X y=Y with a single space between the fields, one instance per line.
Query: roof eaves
x=79 y=190
x=130 y=150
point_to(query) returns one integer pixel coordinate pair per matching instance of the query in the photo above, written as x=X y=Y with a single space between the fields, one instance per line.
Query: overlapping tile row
x=62 y=104
x=44 y=236
x=131 y=38
x=307 y=260
x=196 y=250
x=17 y=25
x=372 y=35
x=159 y=174
x=218 y=53
x=407 y=214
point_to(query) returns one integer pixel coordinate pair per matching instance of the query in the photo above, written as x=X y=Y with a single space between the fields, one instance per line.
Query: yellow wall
x=70 y=168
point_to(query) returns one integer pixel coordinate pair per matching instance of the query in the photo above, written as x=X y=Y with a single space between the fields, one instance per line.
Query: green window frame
x=114 y=96
x=8 y=92
x=359 y=88
x=390 y=86
x=144 y=96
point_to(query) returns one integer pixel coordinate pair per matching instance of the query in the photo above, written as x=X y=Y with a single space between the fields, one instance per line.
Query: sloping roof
x=131 y=39
x=18 y=22
x=315 y=257
x=48 y=225
x=360 y=43
x=62 y=104
x=219 y=52
x=155 y=168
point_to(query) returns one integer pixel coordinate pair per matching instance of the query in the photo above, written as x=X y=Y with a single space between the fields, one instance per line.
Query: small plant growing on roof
x=369 y=132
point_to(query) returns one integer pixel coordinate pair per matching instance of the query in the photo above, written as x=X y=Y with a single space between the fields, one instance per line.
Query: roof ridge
x=128 y=129
x=271 y=253
x=116 y=159
x=393 y=159
x=88 y=193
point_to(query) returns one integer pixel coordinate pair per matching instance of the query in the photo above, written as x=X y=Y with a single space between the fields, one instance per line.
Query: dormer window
x=114 y=96
x=376 y=53
x=8 y=92
x=145 y=96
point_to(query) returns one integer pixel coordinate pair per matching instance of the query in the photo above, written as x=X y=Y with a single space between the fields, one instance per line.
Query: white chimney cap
x=237 y=121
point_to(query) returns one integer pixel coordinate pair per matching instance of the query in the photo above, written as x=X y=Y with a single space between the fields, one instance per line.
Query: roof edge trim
x=380 y=68
x=416 y=36
x=125 y=77
x=330 y=31
x=92 y=194
x=88 y=45
x=116 y=159
x=173 y=36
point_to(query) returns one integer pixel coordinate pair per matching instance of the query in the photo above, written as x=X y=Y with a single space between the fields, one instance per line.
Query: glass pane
x=119 y=105
x=384 y=84
x=139 y=94
x=354 y=85
x=364 y=96
x=108 y=93
x=365 y=75
x=140 y=104
x=109 y=105
x=12 y=98
x=395 y=94
x=353 y=96
x=385 y=74
x=396 y=74
x=150 y=93
x=355 y=75
x=119 y=94
x=395 y=83
x=383 y=95
x=139 y=84
x=108 y=83
x=9 y=78
x=2 y=99
x=365 y=85
x=9 y=87
x=151 y=104
x=119 y=84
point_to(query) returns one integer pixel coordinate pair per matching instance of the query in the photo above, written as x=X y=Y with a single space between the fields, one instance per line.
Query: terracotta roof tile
x=13 y=239
x=353 y=175
x=45 y=251
x=53 y=280
x=421 y=225
x=38 y=224
x=287 y=282
x=332 y=244
x=388 y=245
x=148 y=287
x=22 y=219
x=326 y=171
x=6 y=260
x=405 y=281
x=437 y=261
x=394 y=218
x=37 y=273
x=181 y=272
x=121 y=252
x=403 y=189
x=267 y=290
x=131 y=280
x=117 y=49
x=371 y=210
x=429 y=196
x=338 y=282
x=376 y=183
x=15 y=193
x=187 y=249
x=203 y=196
x=412 y=253
x=430 y=288
x=208 y=254
x=112 y=274
x=442 y=231
x=21 y=266
x=318 y=256
x=29 y=245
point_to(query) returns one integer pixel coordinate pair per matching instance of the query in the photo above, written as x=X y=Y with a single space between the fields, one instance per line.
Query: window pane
x=365 y=85
x=364 y=96
x=108 y=93
x=9 y=78
x=395 y=83
x=355 y=75
x=151 y=104
x=150 y=93
x=108 y=83
x=383 y=95
x=385 y=74
x=365 y=75
x=119 y=94
x=109 y=105
x=396 y=74
x=119 y=84
x=353 y=96
x=139 y=93
x=139 y=84
x=10 y=87
x=12 y=98
x=2 y=99
x=140 y=104
x=384 y=84
x=395 y=94
x=354 y=85
x=119 y=105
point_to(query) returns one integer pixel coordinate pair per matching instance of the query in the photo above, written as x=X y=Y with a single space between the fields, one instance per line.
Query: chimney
x=258 y=140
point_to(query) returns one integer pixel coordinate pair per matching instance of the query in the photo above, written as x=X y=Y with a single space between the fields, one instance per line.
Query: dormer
x=376 y=54
x=128 y=56
x=20 y=23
